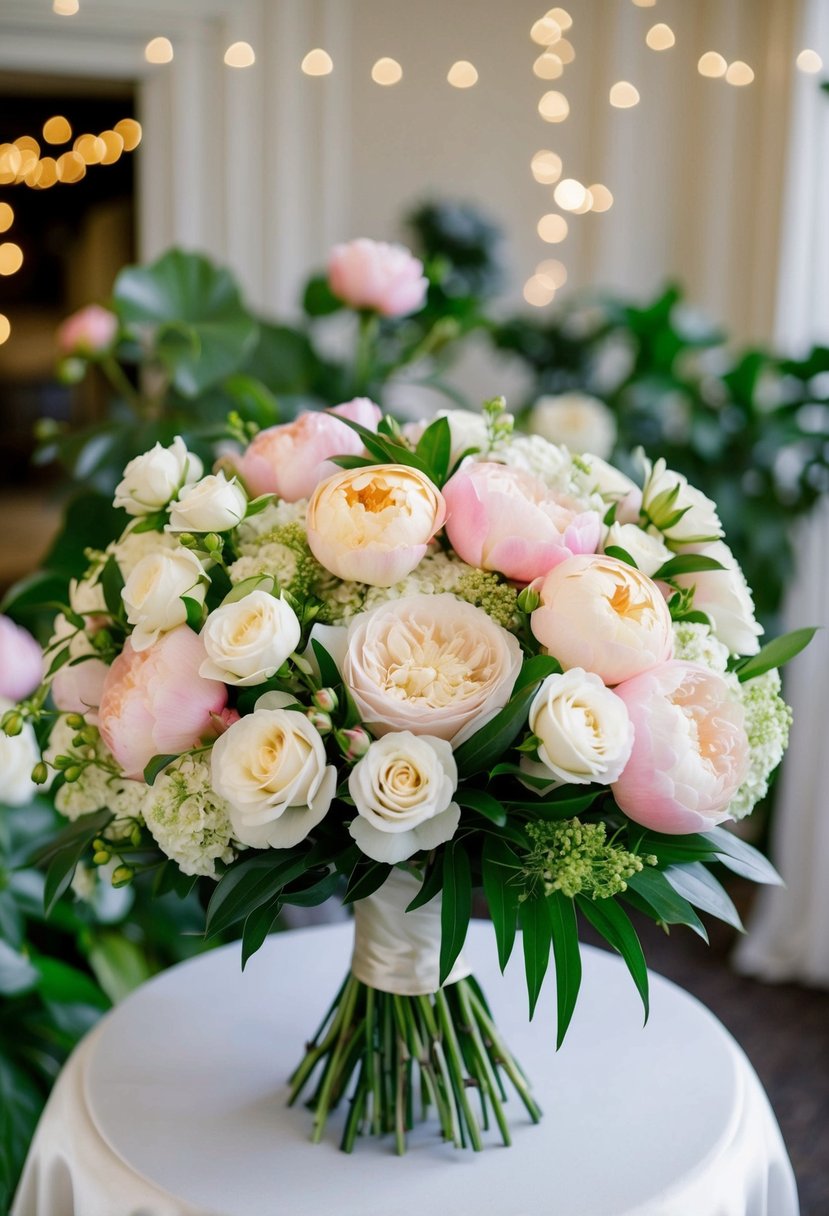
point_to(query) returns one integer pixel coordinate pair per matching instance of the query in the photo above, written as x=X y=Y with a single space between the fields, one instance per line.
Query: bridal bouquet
x=399 y=664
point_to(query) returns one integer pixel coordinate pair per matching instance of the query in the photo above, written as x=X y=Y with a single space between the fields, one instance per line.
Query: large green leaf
x=776 y=653
x=536 y=932
x=251 y=883
x=21 y=1100
x=482 y=802
x=562 y=914
x=699 y=886
x=742 y=857
x=456 y=907
x=500 y=864
x=490 y=742
x=613 y=923
x=664 y=900
x=283 y=359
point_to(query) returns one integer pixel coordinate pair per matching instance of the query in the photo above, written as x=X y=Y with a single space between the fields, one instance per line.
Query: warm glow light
x=237 y=55
x=570 y=194
x=317 y=63
x=739 y=73
x=554 y=107
x=26 y=144
x=644 y=3
x=602 y=198
x=57 y=130
x=586 y=204
x=553 y=270
x=809 y=61
x=130 y=132
x=552 y=228
x=462 y=74
x=545 y=31
x=65 y=8
x=11 y=257
x=623 y=95
x=712 y=64
x=48 y=173
x=114 y=146
x=28 y=162
x=10 y=161
x=565 y=51
x=560 y=15
x=546 y=167
x=660 y=37
x=33 y=174
x=386 y=71
x=160 y=50
x=6 y=217
x=539 y=290
x=5 y=328
x=548 y=66
x=90 y=148
x=70 y=167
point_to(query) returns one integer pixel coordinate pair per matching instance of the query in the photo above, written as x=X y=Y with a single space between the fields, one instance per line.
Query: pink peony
x=154 y=701
x=290 y=460
x=690 y=750
x=21 y=661
x=90 y=331
x=373 y=275
x=77 y=688
x=504 y=519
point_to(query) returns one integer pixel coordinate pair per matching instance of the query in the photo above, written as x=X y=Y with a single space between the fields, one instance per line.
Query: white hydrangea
x=270 y=558
x=767 y=722
x=188 y=819
x=100 y=785
x=695 y=643
x=275 y=515
x=436 y=573
x=551 y=463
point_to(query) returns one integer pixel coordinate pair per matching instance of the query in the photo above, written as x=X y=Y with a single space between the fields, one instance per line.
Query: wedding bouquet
x=398 y=664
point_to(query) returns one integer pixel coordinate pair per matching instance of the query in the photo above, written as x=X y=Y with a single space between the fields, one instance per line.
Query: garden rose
x=154 y=701
x=89 y=331
x=152 y=479
x=373 y=525
x=21 y=661
x=213 y=504
x=271 y=769
x=690 y=751
x=581 y=422
x=724 y=596
x=614 y=487
x=247 y=641
x=649 y=551
x=292 y=459
x=402 y=790
x=373 y=275
x=153 y=593
x=682 y=513
x=431 y=664
x=584 y=730
x=504 y=519
x=18 y=756
x=605 y=616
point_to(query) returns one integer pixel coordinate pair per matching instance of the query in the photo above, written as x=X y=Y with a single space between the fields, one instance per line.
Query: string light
x=237 y=55
x=114 y=146
x=602 y=198
x=462 y=74
x=6 y=217
x=10 y=159
x=57 y=130
x=809 y=61
x=565 y=51
x=130 y=132
x=548 y=66
x=70 y=167
x=560 y=15
x=545 y=31
x=739 y=74
x=712 y=64
x=5 y=328
x=21 y=162
x=660 y=37
x=49 y=172
x=553 y=270
x=552 y=228
x=65 y=8
x=644 y=3
x=569 y=194
x=386 y=72
x=11 y=258
x=90 y=148
x=546 y=167
x=26 y=144
x=317 y=63
x=623 y=95
x=554 y=107
x=539 y=291
x=160 y=50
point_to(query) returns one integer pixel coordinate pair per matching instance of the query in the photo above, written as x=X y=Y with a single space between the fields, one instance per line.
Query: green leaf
x=537 y=933
x=319 y=300
x=668 y=849
x=431 y=885
x=256 y=582
x=258 y=925
x=613 y=923
x=119 y=964
x=456 y=907
x=565 y=933
x=367 y=877
x=563 y=806
x=508 y=769
x=194 y=610
x=776 y=653
x=500 y=864
x=250 y=883
x=21 y=1101
x=535 y=670
x=434 y=448
x=315 y=893
x=687 y=563
x=329 y=672
x=60 y=659
x=85 y=828
x=699 y=886
x=253 y=400
x=66 y=985
x=352 y=462
x=742 y=858
x=483 y=803
x=386 y=450
x=492 y=740
x=621 y=555
x=157 y=765
x=17 y=974
x=669 y=905
x=112 y=582
x=61 y=871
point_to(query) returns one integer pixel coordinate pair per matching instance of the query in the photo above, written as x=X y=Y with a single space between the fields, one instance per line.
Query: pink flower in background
x=504 y=519
x=690 y=749
x=90 y=331
x=290 y=460
x=377 y=276
x=21 y=661
x=154 y=700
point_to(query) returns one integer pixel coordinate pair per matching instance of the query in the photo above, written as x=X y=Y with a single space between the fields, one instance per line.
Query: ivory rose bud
x=213 y=504
x=504 y=519
x=649 y=551
x=584 y=730
x=682 y=513
x=614 y=487
x=89 y=331
x=581 y=422
x=153 y=593
x=431 y=664
x=402 y=790
x=373 y=275
x=18 y=755
x=374 y=525
x=605 y=616
x=21 y=661
x=724 y=596
x=247 y=641
x=271 y=769
x=690 y=750
x=152 y=479
x=154 y=701
x=292 y=459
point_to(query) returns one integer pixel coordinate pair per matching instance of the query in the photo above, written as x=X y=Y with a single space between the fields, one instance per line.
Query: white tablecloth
x=174 y=1106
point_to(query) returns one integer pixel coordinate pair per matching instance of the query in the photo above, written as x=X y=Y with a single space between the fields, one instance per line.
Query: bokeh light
x=548 y=66
x=114 y=146
x=70 y=167
x=5 y=328
x=560 y=15
x=11 y=258
x=57 y=130
x=712 y=64
x=602 y=198
x=130 y=132
x=554 y=107
x=545 y=31
x=553 y=270
x=552 y=228
x=809 y=61
x=739 y=74
x=660 y=37
x=539 y=290
x=546 y=167
x=6 y=217
x=65 y=8
x=237 y=55
x=623 y=95
x=386 y=72
x=159 y=50
x=462 y=74
x=570 y=194
x=317 y=63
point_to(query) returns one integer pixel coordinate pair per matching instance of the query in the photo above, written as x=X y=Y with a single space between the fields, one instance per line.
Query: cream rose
x=248 y=641
x=614 y=487
x=431 y=664
x=373 y=525
x=584 y=730
x=152 y=479
x=682 y=513
x=271 y=769
x=725 y=597
x=402 y=790
x=213 y=504
x=648 y=551
x=153 y=593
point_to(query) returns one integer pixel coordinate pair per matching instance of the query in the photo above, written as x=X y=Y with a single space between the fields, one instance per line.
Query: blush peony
x=374 y=275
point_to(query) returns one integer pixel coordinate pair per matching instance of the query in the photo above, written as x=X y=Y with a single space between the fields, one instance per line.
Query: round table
x=174 y=1105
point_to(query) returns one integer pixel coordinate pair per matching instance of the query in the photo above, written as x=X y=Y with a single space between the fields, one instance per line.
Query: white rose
x=152 y=593
x=271 y=769
x=249 y=640
x=18 y=756
x=213 y=504
x=132 y=546
x=580 y=422
x=648 y=551
x=682 y=513
x=614 y=487
x=153 y=478
x=402 y=790
x=584 y=729
x=724 y=596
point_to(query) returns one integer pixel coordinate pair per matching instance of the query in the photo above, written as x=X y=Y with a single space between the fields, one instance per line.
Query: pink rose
x=90 y=331
x=292 y=459
x=690 y=749
x=21 y=661
x=504 y=519
x=371 y=274
x=154 y=701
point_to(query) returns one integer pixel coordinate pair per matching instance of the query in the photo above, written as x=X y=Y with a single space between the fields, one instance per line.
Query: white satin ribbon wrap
x=399 y=951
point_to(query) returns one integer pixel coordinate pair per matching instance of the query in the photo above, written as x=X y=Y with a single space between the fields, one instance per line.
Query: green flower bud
x=528 y=600
x=12 y=722
x=135 y=836
x=40 y=773
x=75 y=721
x=73 y=772
x=122 y=876
x=101 y=857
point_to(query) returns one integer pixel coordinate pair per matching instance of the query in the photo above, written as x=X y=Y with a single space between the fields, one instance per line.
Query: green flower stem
x=117 y=377
x=487 y=1072
x=502 y=1056
x=457 y=1069
x=364 y=356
